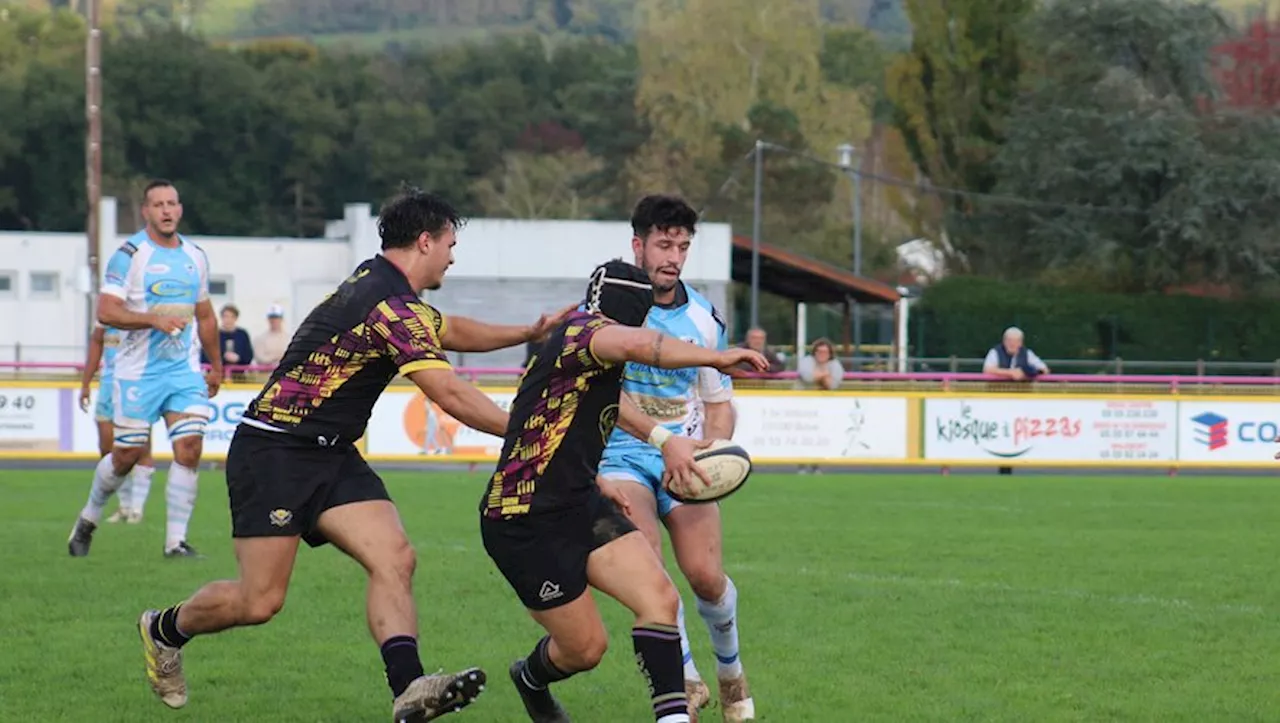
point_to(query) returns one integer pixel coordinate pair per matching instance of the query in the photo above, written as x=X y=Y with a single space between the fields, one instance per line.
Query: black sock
x=164 y=627
x=658 y=654
x=539 y=671
x=403 y=664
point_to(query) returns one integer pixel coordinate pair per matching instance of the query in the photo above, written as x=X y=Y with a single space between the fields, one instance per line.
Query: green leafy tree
x=1114 y=120
x=952 y=94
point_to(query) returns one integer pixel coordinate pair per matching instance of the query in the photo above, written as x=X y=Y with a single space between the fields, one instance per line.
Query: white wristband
x=659 y=436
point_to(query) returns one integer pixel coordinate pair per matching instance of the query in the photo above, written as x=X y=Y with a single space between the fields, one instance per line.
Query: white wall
x=297 y=273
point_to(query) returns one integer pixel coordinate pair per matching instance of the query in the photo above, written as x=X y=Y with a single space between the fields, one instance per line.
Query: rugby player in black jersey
x=553 y=532
x=293 y=472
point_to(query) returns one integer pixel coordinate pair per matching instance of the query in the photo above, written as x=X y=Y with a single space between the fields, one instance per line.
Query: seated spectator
x=820 y=369
x=1013 y=361
x=756 y=340
x=268 y=348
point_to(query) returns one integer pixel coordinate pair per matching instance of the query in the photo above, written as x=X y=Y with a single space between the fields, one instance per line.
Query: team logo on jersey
x=608 y=420
x=169 y=288
x=280 y=517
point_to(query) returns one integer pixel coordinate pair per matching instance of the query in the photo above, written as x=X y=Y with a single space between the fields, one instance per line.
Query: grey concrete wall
x=520 y=301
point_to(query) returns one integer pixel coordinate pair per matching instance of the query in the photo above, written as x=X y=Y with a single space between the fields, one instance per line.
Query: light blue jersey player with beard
x=684 y=402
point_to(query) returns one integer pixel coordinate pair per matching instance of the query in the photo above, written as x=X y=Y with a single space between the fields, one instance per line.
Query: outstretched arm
x=468 y=335
x=461 y=400
x=617 y=344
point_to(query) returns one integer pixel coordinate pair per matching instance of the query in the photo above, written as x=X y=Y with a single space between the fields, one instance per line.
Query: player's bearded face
x=662 y=256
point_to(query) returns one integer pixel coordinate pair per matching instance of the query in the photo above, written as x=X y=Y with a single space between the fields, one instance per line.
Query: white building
x=504 y=271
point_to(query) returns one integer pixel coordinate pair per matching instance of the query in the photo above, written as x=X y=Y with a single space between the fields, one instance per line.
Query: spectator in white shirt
x=820 y=369
x=269 y=347
x=1012 y=360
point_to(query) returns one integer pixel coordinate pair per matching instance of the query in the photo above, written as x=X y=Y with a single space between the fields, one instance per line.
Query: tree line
x=1122 y=145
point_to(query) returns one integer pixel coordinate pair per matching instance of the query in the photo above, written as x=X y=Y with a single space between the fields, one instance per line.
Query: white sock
x=140 y=486
x=722 y=622
x=690 y=670
x=105 y=483
x=180 y=498
x=674 y=718
x=125 y=493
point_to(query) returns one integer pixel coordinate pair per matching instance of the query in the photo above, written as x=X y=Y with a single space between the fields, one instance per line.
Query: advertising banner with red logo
x=1043 y=429
x=1228 y=432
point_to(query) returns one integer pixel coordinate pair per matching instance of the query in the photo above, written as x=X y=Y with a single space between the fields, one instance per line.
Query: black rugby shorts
x=544 y=556
x=279 y=483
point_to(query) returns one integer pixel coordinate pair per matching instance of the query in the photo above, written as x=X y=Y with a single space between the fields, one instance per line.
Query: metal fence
x=883 y=381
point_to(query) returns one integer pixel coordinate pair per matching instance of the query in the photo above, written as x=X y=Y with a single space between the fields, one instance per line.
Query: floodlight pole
x=93 y=147
x=848 y=157
x=755 y=236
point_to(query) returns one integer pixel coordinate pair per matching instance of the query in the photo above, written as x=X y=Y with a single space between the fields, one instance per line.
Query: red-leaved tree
x=1247 y=68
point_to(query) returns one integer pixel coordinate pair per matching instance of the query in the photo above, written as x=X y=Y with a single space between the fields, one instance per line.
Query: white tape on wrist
x=659 y=435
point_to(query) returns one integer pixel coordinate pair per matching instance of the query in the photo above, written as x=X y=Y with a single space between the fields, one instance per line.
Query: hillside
x=370 y=24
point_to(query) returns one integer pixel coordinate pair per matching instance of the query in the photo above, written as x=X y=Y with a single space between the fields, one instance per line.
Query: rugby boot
x=431 y=696
x=81 y=538
x=182 y=549
x=735 y=700
x=541 y=705
x=699 y=696
x=120 y=515
x=164 y=665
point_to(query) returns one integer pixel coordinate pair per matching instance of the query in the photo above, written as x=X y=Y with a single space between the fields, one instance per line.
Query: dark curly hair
x=662 y=213
x=412 y=212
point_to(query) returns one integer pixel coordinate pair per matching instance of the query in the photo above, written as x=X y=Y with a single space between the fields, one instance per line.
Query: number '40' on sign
x=17 y=401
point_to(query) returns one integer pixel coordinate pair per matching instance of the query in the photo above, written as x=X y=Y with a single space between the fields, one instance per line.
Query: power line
x=928 y=188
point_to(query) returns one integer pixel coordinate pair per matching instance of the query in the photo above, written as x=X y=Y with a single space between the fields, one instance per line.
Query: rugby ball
x=727 y=464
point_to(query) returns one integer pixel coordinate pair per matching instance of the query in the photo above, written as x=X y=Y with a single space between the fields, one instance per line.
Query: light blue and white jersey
x=674 y=397
x=154 y=279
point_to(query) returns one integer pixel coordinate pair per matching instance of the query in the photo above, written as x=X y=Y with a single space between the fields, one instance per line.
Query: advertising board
x=1039 y=429
x=770 y=426
x=1228 y=432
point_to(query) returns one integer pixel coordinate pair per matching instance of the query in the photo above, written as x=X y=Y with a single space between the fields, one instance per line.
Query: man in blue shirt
x=155 y=285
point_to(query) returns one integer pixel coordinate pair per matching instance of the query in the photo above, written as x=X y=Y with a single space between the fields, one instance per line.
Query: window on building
x=220 y=286
x=8 y=284
x=44 y=284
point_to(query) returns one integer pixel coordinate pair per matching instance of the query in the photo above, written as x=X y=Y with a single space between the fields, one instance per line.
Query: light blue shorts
x=104 y=409
x=642 y=468
x=141 y=403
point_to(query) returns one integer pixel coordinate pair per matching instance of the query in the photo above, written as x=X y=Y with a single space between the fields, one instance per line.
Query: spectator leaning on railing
x=1012 y=360
x=756 y=340
x=820 y=369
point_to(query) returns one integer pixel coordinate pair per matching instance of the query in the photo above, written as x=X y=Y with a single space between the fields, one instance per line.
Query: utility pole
x=848 y=161
x=93 y=147
x=755 y=236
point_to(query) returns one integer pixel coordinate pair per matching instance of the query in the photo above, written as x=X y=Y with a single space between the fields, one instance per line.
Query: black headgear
x=620 y=291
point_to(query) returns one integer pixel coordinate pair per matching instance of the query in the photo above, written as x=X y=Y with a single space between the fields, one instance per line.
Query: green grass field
x=863 y=598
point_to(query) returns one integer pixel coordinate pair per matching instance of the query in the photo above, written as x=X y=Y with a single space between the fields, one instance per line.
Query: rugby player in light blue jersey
x=155 y=285
x=689 y=402
x=103 y=342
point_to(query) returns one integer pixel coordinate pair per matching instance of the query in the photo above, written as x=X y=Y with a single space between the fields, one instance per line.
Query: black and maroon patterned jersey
x=346 y=352
x=563 y=413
